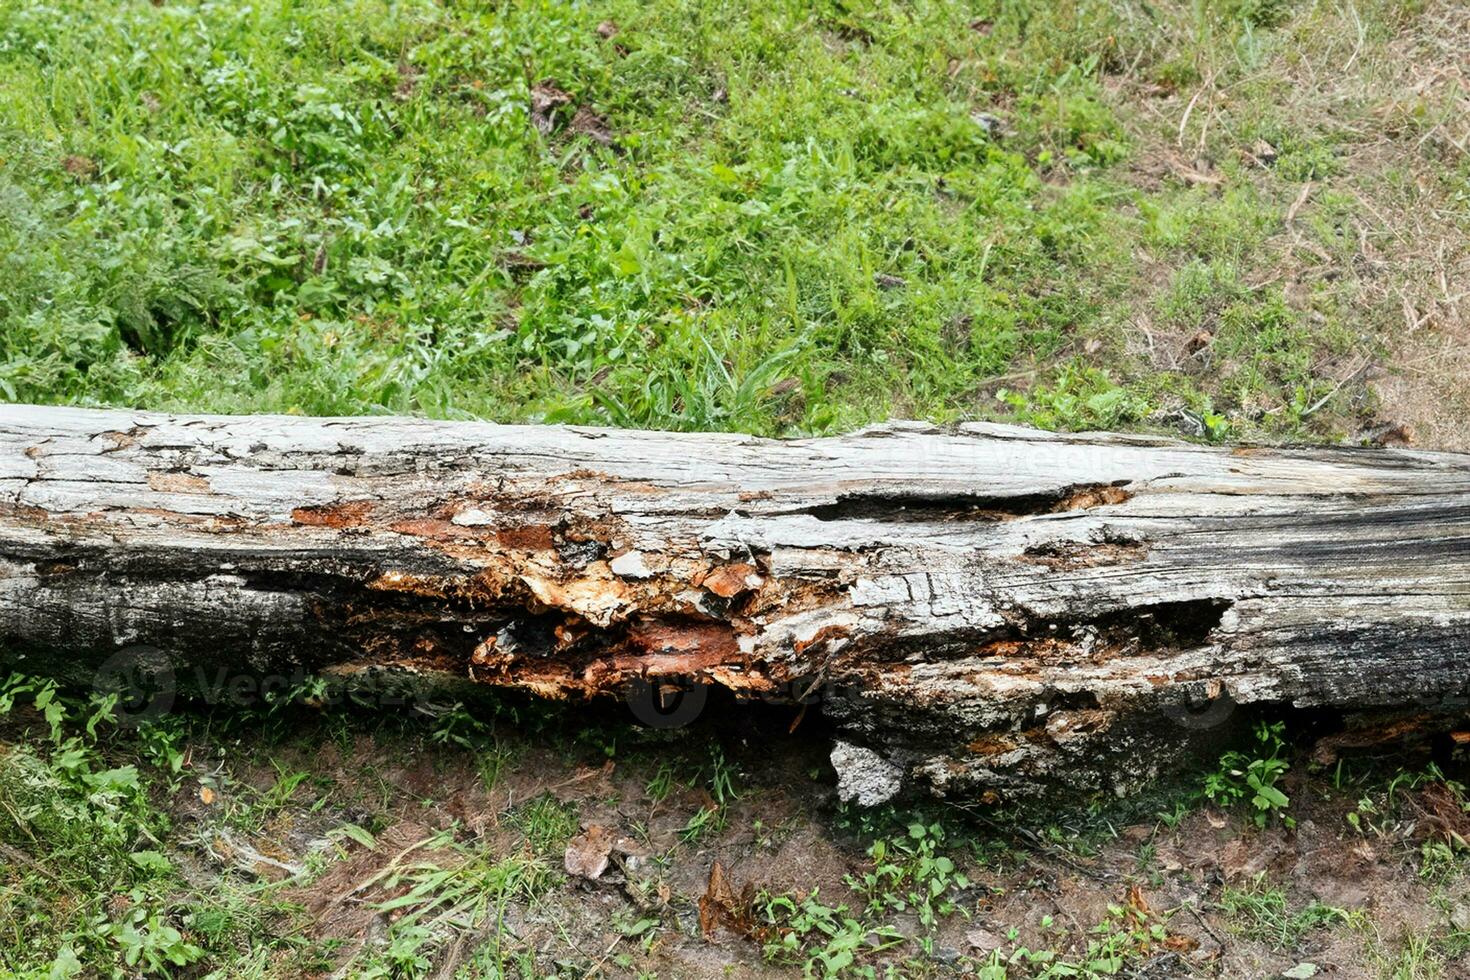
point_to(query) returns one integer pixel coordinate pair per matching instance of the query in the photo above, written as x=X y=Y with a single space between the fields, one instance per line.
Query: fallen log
x=981 y=610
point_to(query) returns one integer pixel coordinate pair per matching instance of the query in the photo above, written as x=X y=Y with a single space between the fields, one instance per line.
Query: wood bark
x=981 y=610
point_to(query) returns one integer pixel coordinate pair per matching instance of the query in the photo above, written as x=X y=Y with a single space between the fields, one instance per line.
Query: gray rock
x=864 y=776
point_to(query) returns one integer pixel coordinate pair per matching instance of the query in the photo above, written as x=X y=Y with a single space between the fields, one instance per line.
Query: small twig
x=1037 y=844
x=1338 y=387
x=1184 y=121
x=598 y=965
x=1014 y=376
x=1063 y=910
x=1189 y=907
x=387 y=869
x=1362 y=36
x=1297 y=204
x=18 y=856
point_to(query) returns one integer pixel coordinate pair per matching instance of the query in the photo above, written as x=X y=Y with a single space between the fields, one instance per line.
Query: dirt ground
x=1367 y=883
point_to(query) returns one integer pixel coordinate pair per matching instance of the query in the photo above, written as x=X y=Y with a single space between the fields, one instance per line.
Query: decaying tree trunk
x=982 y=610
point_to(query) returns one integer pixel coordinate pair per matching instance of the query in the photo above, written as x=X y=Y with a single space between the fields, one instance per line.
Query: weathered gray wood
x=989 y=609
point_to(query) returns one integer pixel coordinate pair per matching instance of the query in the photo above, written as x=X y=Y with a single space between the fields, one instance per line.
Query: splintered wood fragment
x=982 y=611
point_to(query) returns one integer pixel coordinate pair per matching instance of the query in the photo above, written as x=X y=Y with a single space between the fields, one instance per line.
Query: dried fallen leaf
x=711 y=903
x=80 y=167
x=587 y=854
x=546 y=98
x=720 y=904
x=1137 y=903
x=592 y=126
x=1199 y=342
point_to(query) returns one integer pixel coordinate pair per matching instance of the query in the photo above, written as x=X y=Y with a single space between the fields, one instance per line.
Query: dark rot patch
x=910 y=507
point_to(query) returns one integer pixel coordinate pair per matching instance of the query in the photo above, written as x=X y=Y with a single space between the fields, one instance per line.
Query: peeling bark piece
x=630 y=565
x=989 y=611
x=728 y=581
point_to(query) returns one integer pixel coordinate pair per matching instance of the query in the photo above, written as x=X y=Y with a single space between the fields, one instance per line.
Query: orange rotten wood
x=980 y=610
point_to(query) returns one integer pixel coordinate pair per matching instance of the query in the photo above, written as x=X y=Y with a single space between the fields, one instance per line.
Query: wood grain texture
x=992 y=610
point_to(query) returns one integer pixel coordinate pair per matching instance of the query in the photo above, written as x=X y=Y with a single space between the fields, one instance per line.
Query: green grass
x=1259 y=911
x=775 y=217
x=148 y=851
x=547 y=824
x=84 y=880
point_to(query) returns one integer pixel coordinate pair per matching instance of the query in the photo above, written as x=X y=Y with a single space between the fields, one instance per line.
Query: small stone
x=864 y=776
x=991 y=124
x=947 y=955
x=1460 y=917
